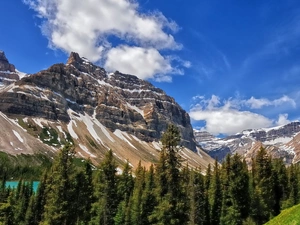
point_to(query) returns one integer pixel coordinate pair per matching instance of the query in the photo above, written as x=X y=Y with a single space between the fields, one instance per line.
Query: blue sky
x=231 y=64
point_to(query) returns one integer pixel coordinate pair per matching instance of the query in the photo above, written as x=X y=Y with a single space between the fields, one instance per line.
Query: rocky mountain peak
x=8 y=72
x=4 y=63
x=120 y=102
x=74 y=58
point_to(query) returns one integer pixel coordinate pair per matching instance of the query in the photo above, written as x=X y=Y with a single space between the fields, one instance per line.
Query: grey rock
x=118 y=101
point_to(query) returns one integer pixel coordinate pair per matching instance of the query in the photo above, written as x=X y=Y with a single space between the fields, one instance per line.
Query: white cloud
x=227 y=117
x=229 y=121
x=282 y=119
x=255 y=103
x=141 y=61
x=86 y=27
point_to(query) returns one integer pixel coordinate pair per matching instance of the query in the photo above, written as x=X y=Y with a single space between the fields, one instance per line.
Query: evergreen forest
x=167 y=193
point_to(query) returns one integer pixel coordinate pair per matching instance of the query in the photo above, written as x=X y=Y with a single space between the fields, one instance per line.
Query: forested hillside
x=166 y=193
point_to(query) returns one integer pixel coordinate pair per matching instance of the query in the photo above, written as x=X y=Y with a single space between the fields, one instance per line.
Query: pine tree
x=105 y=208
x=30 y=213
x=264 y=197
x=215 y=196
x=40 y=199
x=139 y=186
x=148 y=197
x=207 y=183
x=171 y=201
x=293 y=186
x=23 y=195
x=236 y=197
x=196 y=192
x=125 y=184
x=58 y=201
x=83 y=194
x=280 y=184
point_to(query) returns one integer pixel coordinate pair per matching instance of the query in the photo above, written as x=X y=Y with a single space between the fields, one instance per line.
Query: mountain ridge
x=280 y=141
x=98 y=111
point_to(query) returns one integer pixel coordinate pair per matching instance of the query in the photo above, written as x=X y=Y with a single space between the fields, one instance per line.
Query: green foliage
x=28 y=167
x=29 y=126
x=106 y=205
x=172 y=203
x=49 y=136
x=59 y=190
x=91 y=141
x=290 y=216
x=73 y=192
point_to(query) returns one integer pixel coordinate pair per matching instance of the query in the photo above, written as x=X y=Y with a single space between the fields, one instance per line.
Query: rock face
x=8 y=72
x=118 y=101
x=4 y=64
x=281 y=142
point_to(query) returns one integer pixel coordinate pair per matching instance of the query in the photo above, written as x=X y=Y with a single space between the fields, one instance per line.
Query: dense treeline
x=165 y=194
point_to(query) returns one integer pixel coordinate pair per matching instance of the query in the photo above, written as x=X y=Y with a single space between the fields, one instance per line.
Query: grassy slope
x=290 y=216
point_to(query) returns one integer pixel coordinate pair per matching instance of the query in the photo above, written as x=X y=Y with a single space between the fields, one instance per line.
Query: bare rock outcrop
x=118 y=101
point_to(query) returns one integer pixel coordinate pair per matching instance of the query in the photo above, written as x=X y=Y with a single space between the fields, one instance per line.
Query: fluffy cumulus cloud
x=282 y=119
x=231 y=116
x=147 y=61
x=88 y=27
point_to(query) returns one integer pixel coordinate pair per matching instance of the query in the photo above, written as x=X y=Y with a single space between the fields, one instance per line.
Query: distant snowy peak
x=273 y=133
x=282 y=141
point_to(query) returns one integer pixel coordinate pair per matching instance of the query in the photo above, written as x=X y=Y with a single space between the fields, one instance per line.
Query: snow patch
x=21 y=74
x=71 y=131
x=61 y=131
x=156 y=145
x=39 y=122
x=136 y=109
x=90 y=126
x=18 y=136
x=84 y=148
x=280 y=140
x=122 y=135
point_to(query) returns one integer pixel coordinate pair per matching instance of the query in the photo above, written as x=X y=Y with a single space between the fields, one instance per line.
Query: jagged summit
x=79 y=102
x=119 y=101
x=4 y=63
x=74 y=58
x=8 y=72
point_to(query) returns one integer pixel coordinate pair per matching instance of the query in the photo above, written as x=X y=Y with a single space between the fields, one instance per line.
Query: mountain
x=81 y=103
x=280 y=142
x=8 y=72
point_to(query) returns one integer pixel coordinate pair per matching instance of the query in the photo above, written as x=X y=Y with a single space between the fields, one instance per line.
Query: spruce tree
x=293 y=186
x=82 y=194
x=58 y=201
x=196 y=194
x=264 y=196
x=207 y=183
x=236 y=196
x=125 y=184
x=148 y=197
x=136 y=203
x=171 y=201
x=105 y=207
x=215 y=196
x=40 y=199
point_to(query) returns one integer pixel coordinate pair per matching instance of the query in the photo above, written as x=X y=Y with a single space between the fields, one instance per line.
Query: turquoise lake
x=14 y=184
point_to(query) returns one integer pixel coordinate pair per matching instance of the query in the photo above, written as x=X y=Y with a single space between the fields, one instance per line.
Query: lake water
x=14 y=184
